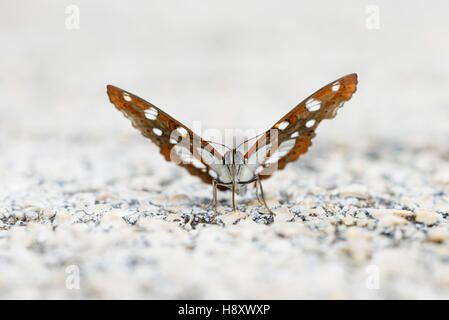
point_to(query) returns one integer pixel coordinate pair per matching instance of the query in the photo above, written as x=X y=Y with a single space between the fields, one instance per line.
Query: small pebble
x=438 y=235
x=390 y=220
x=171 y=217
x=62 y=217
x=354 y=190
x=348 y=220
x=381 y=213
x=233 y=217
x=113 y=220
x=282 y=214
x=179 y=199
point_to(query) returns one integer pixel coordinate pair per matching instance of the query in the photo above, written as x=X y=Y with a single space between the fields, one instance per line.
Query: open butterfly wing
x=291 y=136
x=176 y=142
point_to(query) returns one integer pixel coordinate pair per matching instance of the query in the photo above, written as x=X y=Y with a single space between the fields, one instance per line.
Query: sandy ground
x=89 y=209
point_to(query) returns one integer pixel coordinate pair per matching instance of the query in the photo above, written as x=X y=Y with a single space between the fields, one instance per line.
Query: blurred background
x=233 y=64
x=75 y=176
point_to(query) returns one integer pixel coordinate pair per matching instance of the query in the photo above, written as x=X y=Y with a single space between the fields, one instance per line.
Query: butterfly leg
x=263 y=198
x=257 y=192
x=214 y=200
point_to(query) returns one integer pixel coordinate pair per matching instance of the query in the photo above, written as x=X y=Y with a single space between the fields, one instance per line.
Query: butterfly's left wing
x=291 y=136
x=176 y=141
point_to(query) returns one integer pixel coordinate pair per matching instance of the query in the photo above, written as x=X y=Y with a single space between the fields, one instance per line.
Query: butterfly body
x=284 y=142
x=235 y=172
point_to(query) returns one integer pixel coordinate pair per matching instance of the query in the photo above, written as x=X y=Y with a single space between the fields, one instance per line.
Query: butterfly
x=284 y=142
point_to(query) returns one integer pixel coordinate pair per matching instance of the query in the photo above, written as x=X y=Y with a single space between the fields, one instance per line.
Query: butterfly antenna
x=221 y=144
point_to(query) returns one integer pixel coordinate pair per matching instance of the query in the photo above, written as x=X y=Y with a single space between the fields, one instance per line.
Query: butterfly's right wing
x=291 y=136
x=176 y=142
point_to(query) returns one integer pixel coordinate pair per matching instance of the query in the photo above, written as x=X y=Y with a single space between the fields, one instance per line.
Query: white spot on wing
x=213 y=174
x=273 y=158
x=310 y=123
x=294 y=135
x=283 y=125
x=184 y=154
x=313 y=105
x=287 y=144
x=126 y=97
x=151 y=113
x=157 y=131
x=198 y=164
x=336 y=86
x=207 y=156
x=283 y=149
x=182 y=131
x=259 y=155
